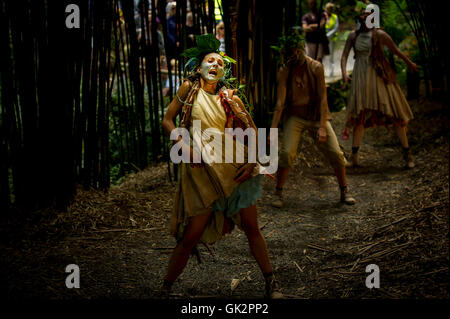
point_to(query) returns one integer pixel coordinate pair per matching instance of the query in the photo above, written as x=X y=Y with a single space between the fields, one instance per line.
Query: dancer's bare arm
x=309 y=27
x=322 y=92
x=282 y=77
x=387 y=41
x=348 y=46
x=174 y=108
x=168 y=122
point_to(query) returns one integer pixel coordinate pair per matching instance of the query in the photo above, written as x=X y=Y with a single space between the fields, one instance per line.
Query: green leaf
x=360 y=5
x=229 y=59
x=190 y=53
x=207 y=42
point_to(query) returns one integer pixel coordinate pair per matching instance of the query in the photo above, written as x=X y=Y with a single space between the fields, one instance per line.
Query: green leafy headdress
x=360 y=6
x=286 y=42
x=206 y=43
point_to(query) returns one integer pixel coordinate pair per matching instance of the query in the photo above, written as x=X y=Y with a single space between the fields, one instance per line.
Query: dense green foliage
x=337 y=96
x=285 y=43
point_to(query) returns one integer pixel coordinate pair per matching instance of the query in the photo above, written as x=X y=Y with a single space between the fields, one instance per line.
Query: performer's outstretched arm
x=387 y=41
x=348 y=46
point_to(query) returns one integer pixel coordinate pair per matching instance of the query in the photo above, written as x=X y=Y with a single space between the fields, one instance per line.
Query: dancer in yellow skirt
x=212 y=197
x=375 y=96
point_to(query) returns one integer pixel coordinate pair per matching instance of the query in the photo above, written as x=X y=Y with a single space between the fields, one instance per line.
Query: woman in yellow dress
x=375 y=97
x=212 y=197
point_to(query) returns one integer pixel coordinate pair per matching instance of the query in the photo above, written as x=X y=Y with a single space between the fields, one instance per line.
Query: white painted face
x=211 y=68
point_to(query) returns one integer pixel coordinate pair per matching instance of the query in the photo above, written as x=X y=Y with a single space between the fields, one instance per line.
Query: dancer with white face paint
x=212 y=68
x=213 y=197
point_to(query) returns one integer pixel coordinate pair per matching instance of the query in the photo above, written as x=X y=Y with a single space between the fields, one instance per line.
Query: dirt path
x=318 y=247
x=337 y=64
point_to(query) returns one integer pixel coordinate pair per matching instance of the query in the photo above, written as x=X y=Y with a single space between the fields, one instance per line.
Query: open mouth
x=213 y=72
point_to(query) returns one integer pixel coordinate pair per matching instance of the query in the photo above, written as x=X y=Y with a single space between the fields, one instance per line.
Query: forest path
x=337 y=64
x=319 y=248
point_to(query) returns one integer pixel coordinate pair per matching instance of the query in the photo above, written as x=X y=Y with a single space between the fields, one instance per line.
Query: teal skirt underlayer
x=244 y=195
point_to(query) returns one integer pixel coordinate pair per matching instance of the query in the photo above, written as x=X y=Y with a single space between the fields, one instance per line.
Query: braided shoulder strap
x=188 y=103
x=236 y=115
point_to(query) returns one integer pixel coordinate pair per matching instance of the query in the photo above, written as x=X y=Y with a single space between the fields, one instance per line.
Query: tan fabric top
x=302 y=94
x=198 y=188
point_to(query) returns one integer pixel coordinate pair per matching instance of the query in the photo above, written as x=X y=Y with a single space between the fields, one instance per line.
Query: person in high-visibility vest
x=218 y=10
x=331 y=27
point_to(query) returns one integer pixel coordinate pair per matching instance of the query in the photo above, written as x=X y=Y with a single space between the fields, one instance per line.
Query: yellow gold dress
x=211 y=188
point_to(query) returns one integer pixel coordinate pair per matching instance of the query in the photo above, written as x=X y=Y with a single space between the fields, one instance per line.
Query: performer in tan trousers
x=301 y=86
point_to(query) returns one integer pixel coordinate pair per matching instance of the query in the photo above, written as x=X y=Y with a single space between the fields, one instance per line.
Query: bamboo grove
x=84 y=106
x=74 y=102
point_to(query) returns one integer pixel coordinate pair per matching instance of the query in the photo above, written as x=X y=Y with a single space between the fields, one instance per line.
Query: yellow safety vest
x=217 y=11
x=330 y=24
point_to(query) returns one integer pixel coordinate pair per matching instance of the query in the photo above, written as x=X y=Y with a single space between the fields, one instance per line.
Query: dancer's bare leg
x=282 y=176
x=180 y=254
x=358 y=134
x=401 y=133
x=256 y=241
x=341 y=176
x=258 y=248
